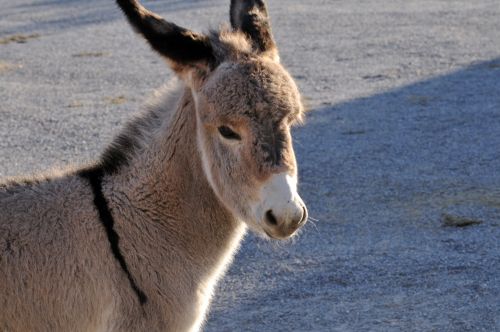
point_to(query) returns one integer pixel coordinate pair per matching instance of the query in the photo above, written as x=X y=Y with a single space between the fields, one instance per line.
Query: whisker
x=312 y=222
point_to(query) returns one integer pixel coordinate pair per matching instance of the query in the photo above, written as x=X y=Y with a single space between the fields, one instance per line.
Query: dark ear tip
x=233 y=15
x=240 y=8
x=251 y=17
x=180 y=45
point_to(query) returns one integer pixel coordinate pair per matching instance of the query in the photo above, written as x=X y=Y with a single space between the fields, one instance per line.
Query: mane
x=138 y=131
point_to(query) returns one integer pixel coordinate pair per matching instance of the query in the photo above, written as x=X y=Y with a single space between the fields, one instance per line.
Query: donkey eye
x=228 y=133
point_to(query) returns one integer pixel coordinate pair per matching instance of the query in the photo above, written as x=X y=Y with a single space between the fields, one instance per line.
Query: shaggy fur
x=137 y=241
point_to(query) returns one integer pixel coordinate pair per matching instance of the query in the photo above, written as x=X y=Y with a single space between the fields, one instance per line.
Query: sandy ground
x=403 y=136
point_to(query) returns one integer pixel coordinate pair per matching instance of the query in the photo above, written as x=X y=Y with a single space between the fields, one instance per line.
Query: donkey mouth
x=270 y=235
x=277 y=238
x=281 y=234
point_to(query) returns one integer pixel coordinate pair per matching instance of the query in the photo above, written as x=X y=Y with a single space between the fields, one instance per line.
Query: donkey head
x=246 y=103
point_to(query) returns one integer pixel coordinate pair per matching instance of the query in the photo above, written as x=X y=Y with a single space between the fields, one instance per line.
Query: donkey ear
x=251 y=17
x=183 y=48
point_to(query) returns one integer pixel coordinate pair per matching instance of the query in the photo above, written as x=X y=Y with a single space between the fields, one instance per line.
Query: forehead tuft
x=252 y=87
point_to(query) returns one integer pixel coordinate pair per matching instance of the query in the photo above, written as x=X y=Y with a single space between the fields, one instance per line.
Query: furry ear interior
x=251 y=17
x=183 y=48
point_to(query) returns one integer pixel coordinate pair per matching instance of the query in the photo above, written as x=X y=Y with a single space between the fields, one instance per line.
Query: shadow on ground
x=381 y=173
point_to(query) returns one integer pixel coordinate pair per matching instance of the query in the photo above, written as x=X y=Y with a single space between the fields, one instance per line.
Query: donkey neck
x=164 y=193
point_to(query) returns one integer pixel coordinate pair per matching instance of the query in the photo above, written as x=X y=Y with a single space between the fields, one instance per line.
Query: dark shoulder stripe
x=94 y=176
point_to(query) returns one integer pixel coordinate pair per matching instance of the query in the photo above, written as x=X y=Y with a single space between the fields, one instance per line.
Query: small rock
x=449 y=220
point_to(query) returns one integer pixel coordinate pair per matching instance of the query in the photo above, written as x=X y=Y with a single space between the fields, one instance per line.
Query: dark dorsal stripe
x=94 y=176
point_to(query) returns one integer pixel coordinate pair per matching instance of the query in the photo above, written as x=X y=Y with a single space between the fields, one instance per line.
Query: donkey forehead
x=258 y=89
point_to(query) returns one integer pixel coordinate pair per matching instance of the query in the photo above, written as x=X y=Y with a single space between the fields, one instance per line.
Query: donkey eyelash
x=228 y=133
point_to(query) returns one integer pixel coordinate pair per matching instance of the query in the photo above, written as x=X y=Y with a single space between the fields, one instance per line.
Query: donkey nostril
x=303 y=218
x=270 y=218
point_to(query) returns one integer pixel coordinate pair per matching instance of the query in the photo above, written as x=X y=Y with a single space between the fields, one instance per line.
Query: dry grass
x=90 y=54
x=354 y=132
x=75 y=104
x=20 y=39
x=5 y=66
x=116 y=100
x=420 y=100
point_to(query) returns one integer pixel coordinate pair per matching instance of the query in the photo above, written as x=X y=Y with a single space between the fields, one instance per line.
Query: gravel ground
x=403 y=137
